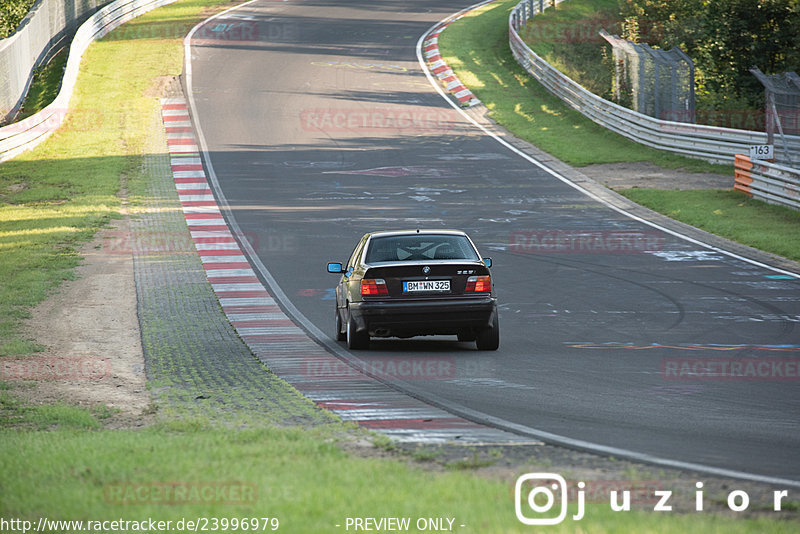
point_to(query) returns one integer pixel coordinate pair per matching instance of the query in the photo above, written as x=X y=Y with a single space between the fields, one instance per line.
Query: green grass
x=476 y=48
x=45 y=85
x=302 y=477
x=14 y=412
x=731 y=214
x=568 y=39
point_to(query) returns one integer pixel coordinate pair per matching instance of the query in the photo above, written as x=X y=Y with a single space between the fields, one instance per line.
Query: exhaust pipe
x=381 y=332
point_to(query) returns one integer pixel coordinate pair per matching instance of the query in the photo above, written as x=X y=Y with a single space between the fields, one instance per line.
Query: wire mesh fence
x=782 y=109
x=654 y=82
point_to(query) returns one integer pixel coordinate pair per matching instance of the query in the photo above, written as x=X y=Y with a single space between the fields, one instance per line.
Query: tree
x=724 y=38
x=737 y=34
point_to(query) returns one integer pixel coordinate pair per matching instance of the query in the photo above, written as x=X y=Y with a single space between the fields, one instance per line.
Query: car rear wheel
x=489 y=338
x=356 y=340
x=341 y=335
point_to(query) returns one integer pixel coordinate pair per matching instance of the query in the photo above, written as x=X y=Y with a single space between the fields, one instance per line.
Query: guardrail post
x=769 y=182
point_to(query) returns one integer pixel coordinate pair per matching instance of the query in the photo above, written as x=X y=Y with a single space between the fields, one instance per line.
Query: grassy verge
x=15 y=413
x=568 y=39
x=477 y=48
x=730 y=214
x=57 y=196
x=301 y=477
x=45 y=85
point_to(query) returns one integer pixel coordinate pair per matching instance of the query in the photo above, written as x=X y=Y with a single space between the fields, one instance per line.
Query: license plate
x=426 y=286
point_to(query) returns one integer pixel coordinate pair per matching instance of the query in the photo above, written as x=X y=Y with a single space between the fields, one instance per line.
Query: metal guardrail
x=26 y=134
x=766 y=181
x=712 y=143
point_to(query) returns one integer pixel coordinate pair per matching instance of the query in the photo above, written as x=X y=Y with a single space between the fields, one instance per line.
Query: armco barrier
x=26 y=134
x=767 y=181
x=715 y=144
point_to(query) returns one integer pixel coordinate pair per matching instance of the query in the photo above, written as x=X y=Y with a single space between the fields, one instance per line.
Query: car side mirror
x=487 y=262
x=335 y=268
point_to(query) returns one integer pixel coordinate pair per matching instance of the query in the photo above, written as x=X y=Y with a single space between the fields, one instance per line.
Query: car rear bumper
x=430 y=317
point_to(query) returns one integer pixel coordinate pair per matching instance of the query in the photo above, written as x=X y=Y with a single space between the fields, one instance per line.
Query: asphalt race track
x=320 y=126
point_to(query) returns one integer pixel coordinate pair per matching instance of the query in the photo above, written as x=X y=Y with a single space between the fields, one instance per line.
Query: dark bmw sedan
x=416 y=283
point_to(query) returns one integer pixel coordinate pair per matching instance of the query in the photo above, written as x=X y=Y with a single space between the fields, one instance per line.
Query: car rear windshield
x=419 y=247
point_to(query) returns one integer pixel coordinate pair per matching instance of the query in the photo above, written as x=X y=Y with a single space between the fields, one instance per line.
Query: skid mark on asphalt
x=396 y=172
x=276 y=340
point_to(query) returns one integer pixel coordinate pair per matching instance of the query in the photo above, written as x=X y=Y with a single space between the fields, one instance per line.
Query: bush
x=11 y=14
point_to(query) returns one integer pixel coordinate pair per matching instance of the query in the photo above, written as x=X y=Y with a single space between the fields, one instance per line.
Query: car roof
x=385 y=233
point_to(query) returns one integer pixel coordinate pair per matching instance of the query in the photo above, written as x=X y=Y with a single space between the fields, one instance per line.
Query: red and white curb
x=275 y=339
x=440 y=69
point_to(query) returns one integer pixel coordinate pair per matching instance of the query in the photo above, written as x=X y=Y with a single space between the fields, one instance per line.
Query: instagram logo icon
x=535 y=500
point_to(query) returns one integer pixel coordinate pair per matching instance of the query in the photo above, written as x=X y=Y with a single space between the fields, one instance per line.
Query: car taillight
x=479 y=284
x=374 y=287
